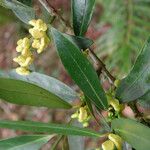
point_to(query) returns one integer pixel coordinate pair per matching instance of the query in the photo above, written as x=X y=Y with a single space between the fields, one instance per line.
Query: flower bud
x=116 y=83
x=115 y=104
x=23 y=44
x=23 y=61
x=85 y=124
x=32 y=22
x=40 y=25
x=108 y=145
x=117 y=140
x=82 y=114
x=22 y=71
x=75 y=115
x=36 y=33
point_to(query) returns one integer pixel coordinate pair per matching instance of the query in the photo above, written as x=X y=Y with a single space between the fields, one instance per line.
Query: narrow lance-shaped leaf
x=133 y=132
x=137 y=83
x=82 y=11
x=49 y=83
x=23 y=12
x=80 y=69
x=25 y=142
x=82 y=42
x=102 y=120
x=24 y=93
x=48 y=128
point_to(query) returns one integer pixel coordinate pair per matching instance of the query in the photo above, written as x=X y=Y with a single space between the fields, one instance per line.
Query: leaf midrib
x=24 y=92
x=84 y=74
x=53 y=126
x=136 y=80
x=37 y=95
x=83 y=17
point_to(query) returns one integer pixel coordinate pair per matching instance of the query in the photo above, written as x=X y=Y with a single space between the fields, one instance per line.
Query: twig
x=54 y=12
x=101 y=66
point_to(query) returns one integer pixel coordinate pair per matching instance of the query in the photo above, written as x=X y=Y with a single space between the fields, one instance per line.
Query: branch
x=101 y=66
x=54 y=12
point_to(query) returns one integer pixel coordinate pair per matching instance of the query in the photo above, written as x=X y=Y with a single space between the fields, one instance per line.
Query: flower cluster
x=38 y=41
x=38 y=32
x=115 y=108
x=115 y=141
x=83 y=115
x=26 y=57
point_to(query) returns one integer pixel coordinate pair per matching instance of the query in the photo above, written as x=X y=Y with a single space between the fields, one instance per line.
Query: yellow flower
x=22 y=71
x=85 y=124
x=38 y=24
x=117 y=140
x=44 y=44
x=36 y=44
x=75 y=115
x=32 y=22
x=23 y=44
x=26 y=52
x=41 y=44
x=108 y=145
x=36 y=33
x=83 y=115
x=23 y=61
x=115 y=104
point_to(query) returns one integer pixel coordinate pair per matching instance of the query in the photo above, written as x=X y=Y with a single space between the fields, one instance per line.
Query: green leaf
x=24 y=93
x=48 y=128
x=137 y=83
x=133 y=132
x=23 y=12
x=49 y=83
x=102 y=120
x=82 y=11
x=82 y=42
x=144 y=101
x=25 y=142
x=80 y=69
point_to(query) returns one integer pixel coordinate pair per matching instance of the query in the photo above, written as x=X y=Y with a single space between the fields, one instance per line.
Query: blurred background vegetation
x=119 y=29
